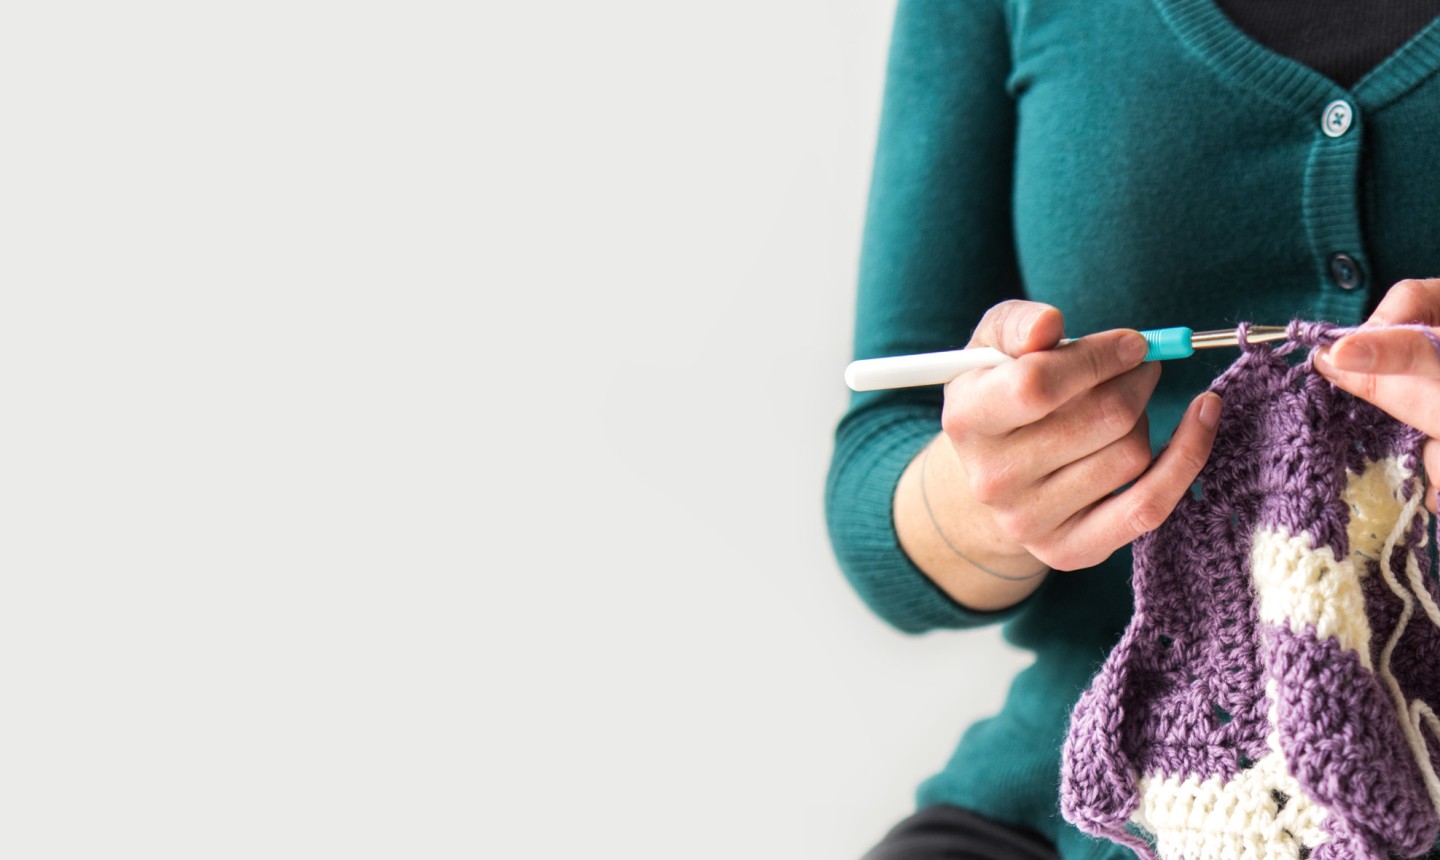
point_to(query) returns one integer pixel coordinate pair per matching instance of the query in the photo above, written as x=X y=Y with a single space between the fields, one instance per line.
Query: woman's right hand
x=1045 y=441
x=1025 y=476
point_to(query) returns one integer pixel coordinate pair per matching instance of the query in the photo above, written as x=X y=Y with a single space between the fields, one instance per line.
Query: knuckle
x=990 y=484
x=1192 y=460
x=983 y=491
x=1100 y=364
x=1032 y=390
x=984 y=487
x=954 y=421
x=1046 y=558
x=1411 y=287
x=960 y=415
x=1134 y=458
x=1367 y=387
x=992 y=324
x=1059 y=558
x=1116 y=415
x=1008 y=308
x=1409 y=300
x=1145 y=515
x=1018 y=524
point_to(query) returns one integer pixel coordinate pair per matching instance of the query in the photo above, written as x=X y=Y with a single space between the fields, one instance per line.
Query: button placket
x=1332 y=211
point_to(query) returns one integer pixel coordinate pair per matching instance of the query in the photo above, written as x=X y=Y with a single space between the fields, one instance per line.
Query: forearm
x=937 y=252
x=954 y=539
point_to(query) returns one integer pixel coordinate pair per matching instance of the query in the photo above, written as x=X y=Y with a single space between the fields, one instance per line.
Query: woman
x=1049 y=168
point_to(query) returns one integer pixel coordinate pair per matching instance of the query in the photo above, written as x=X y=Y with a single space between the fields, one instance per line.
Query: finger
x=1413 y=400
x=1014 y=468
x=1081 y=484
x=1409 y=301
x=1430 y=454
x=1001 y=399
x=1019 y=327
x=1087 y=423
x=1390 y=351
x=1113 y=522
x=1031 y=503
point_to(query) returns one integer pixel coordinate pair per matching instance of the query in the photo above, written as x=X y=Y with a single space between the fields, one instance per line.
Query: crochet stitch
x=1272 y=696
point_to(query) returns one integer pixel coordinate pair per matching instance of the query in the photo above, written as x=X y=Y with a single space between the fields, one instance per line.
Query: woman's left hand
x=1397 y=370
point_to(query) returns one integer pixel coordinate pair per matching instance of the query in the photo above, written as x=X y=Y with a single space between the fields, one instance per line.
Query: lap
x=952 y=833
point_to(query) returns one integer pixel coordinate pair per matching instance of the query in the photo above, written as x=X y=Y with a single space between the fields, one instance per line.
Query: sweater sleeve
x=937 y=252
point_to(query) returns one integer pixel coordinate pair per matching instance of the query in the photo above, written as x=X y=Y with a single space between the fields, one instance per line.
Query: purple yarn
x=1343 y=741
x=1225 y=667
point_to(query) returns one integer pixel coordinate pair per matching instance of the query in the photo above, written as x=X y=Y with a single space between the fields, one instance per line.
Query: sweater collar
x=1205 y=30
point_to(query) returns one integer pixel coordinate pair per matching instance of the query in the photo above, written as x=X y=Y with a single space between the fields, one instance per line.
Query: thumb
x=1017 y=327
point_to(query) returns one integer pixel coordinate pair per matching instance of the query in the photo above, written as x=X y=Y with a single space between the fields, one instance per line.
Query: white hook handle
x=927 y=368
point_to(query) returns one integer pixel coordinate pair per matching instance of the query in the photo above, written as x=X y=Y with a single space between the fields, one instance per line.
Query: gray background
x=416 y=421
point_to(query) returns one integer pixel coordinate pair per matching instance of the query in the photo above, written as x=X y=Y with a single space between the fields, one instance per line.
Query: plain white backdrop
x=415 y=423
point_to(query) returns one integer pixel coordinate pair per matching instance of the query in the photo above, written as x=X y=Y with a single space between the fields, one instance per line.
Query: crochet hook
x=938 y=368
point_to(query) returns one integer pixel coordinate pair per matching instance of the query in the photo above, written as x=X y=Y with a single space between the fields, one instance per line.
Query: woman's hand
x=1025 y=474
x=1047 y=439
x=1397 y=370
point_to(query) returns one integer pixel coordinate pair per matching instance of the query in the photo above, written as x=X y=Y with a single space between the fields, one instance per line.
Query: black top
x=1340 y=39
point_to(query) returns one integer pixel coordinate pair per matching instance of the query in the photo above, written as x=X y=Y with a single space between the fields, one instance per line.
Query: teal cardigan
x=1136 y=163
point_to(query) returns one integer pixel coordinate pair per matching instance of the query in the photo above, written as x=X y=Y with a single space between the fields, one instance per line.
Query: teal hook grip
x=1166 y=343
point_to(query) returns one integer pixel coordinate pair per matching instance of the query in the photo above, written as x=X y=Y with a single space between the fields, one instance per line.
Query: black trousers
x=952 y=833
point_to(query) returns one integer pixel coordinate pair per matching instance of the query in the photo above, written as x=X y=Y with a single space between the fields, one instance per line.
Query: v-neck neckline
x=1290 y=84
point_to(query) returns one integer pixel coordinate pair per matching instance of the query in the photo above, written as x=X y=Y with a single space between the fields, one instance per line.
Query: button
x=1337 y=118
x=1345 y=272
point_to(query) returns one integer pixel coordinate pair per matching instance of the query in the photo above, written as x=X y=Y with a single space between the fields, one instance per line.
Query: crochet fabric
x=1272 y=696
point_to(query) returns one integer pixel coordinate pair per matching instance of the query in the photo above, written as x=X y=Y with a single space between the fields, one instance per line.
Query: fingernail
x=1025 y=329
x=1133 y=348
x=1209 y=411
x=1356 y=357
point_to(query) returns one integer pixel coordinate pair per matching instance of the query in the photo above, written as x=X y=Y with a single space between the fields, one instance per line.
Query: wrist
x=999 y=558
x=954 y=540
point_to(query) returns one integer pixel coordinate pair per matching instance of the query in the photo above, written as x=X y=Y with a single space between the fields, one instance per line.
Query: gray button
x=1345 y=272
x=1337 y=118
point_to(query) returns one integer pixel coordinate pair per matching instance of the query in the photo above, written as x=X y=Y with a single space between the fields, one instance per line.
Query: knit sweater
x=1136 y=163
